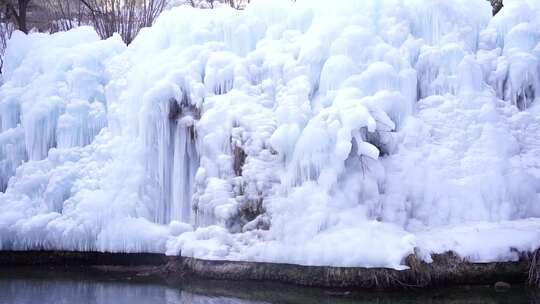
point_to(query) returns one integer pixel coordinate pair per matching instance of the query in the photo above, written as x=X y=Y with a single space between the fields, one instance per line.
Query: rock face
x=497 y=6
x=502 y=285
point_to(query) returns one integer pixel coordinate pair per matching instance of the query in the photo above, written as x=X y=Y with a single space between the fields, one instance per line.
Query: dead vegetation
x=534 y=269
x=446 y=269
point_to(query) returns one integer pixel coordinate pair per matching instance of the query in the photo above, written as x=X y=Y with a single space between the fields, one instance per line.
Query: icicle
x=219 y=73
x=185 y=165
x=40 y=132
x=177 y=160
x=80 y=124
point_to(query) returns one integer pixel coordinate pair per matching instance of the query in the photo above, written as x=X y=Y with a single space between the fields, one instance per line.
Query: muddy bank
x=446 y=270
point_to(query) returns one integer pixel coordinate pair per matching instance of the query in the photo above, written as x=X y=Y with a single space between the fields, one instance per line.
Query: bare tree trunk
x=16 y=10
x=23 y=5
x=6 y=29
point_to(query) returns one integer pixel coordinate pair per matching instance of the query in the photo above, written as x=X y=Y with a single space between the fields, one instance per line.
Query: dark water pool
x=52 y=287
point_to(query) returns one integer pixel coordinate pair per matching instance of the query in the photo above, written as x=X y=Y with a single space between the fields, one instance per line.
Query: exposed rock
x=239 y=159
x=502 y=285
x=497 y=6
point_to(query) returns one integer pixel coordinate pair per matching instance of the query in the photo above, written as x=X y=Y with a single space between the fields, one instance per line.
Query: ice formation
x=351 y=133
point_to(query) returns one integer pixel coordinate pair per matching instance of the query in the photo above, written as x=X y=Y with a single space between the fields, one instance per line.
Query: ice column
x=177 y=162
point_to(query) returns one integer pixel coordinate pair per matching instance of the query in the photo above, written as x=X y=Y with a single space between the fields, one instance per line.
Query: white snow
x=351 y=133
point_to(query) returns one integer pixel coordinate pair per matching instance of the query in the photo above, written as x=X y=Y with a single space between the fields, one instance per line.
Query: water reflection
x=65 y=291
x=54 y=290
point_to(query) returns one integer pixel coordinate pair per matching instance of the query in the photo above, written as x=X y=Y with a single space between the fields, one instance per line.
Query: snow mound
x=345 y=134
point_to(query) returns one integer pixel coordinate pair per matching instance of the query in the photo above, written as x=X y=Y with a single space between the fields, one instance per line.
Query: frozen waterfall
x=350 y=133
x=173 y=160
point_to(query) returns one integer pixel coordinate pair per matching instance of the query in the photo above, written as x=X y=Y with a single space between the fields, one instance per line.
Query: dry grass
x=534 y=269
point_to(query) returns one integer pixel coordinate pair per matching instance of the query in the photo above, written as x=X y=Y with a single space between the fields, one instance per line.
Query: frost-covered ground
x=347 y=133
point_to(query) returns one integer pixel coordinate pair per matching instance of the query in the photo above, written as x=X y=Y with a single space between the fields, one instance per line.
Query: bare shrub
x=64 y=15
x=125 y=17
